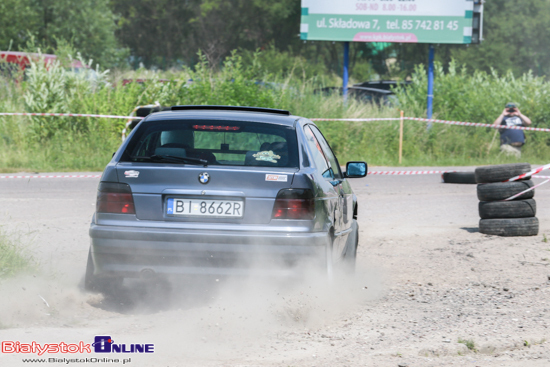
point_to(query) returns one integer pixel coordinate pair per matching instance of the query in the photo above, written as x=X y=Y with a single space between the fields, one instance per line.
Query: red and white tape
x=530 y=173
x=51 y=176
x=373 y=173
x=380 y=173
x=460 y=123
x=524 y=191
x=478 y=124
x=405 y=173
x=67 y=115
x=361 y=120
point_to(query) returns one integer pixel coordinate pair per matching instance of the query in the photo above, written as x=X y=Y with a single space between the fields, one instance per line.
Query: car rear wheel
x=93 y=283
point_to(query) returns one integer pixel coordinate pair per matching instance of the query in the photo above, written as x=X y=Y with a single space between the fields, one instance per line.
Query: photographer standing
x=511 y=140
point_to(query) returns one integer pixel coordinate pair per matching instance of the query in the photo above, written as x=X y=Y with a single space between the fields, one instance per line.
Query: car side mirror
x=356 y=169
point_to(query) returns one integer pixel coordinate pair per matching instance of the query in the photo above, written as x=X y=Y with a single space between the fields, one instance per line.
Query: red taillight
x=294 y=204
x=115 y=198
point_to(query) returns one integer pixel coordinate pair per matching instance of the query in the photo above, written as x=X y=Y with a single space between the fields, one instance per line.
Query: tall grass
x=462 y=95
x=14 y=258
x=63 y=144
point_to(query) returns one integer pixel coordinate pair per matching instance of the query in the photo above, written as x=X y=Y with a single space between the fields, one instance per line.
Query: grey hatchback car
x=222 y=190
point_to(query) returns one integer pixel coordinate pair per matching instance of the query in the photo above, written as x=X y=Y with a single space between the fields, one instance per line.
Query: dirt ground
x=430 y=290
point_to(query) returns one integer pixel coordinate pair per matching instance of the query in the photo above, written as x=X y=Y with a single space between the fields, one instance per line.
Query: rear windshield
x=220 y=143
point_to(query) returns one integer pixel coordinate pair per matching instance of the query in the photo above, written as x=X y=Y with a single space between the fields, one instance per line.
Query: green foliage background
x=88 y=25
x=164 y=34
x=57 y=144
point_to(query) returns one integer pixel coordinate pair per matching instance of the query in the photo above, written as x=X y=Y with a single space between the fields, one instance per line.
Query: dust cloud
x=197 y=317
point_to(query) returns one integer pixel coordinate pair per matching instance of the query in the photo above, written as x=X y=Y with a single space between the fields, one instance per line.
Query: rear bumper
x=135 y=251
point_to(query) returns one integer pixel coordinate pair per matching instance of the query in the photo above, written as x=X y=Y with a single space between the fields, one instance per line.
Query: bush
x=52 y=88
x=460 y=95
x=61 y=144
x=476 y=96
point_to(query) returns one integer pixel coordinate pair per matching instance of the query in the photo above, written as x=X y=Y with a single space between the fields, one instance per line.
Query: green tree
x=516 y=37
x=19 y=20
x=88 y=25
x=156 y=31
x=168 y=32
x=223 y=25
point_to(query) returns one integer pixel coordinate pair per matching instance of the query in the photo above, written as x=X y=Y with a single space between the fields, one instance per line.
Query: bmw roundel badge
x=204 y=178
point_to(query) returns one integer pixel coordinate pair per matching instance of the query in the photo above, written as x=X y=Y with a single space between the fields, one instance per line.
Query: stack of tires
x=506 y=218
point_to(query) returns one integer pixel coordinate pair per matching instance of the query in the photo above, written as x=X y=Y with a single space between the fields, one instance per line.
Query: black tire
x=93 y=283
x=510 y=227
x=507 y=209
x=503 y=190
x=459 y=177
x=350 y=255
x=500 y=172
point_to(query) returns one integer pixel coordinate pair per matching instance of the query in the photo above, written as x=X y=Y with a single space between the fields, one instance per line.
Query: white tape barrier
x=362 y=120
x=380 y=173
x=460 y=123
x=374 y=173
x=406 y=173
x=67 y=115
x=51 y=176
x=131 y=117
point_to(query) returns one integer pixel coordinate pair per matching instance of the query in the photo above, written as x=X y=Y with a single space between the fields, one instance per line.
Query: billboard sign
x=406 y=21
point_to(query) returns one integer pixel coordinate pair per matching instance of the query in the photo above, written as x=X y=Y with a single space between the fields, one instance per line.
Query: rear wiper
x=171 y=158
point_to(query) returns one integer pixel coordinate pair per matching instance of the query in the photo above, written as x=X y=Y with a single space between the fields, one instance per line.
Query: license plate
x=207 y=208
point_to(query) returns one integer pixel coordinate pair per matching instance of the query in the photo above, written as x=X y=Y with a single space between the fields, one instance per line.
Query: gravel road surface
x=430 y=290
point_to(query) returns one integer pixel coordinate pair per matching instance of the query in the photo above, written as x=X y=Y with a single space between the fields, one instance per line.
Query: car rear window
x=223 y=143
